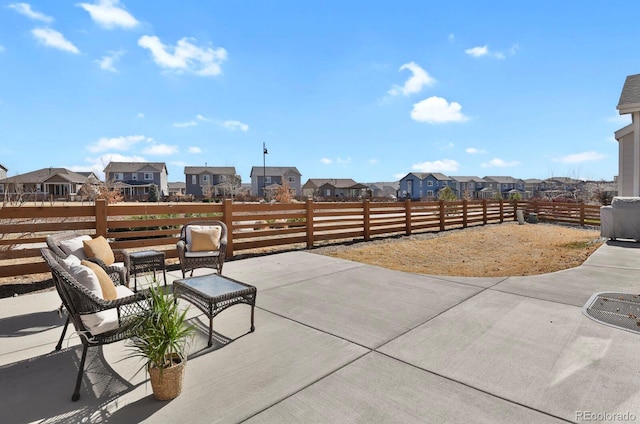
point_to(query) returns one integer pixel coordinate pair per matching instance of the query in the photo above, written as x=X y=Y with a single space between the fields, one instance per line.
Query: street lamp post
x=264 y=171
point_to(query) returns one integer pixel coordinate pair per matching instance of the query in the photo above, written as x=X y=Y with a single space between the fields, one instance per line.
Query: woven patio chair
x=121 y=265
x=97 y=321
x=194 y=254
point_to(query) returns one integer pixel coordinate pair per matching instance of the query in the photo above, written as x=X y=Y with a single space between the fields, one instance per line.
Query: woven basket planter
x=167 y=382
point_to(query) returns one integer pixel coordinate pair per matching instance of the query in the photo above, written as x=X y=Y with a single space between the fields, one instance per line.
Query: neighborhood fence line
x=256 y=227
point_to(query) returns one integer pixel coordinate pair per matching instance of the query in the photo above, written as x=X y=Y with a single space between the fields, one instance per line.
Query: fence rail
x=23 y=229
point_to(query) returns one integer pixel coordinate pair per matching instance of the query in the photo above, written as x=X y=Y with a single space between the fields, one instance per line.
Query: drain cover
x=620 y=310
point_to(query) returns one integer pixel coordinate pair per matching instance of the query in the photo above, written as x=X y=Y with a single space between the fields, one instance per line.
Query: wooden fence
x=253 y=227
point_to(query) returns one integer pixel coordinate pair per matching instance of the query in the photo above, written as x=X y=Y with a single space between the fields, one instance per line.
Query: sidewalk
x=340 y=341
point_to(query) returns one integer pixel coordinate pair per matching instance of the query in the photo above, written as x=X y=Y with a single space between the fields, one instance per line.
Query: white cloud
x=235 y=125
x=161 y=150
x=414 y=84
x=480 y=51
x=477 y=51
x=202 y=118
x=141 y=115
x=52 y=38
x=343 y=161
x=25 y=9
x=185 y=57
x=326 y=161
x=373 y=161
x=107 y=62
x=581 y=157
x=97 y=164
x=195 y=150
x=451 y=37
x=2 y=49
x=107 y=14
x=436 y=110
x=116 y=143
x=474 y=151
x=620 y=119
x=444 y=165
x=185 y=124
x=499 y=163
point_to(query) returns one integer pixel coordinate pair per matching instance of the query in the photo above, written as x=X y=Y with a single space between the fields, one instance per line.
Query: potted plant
x=161 y=339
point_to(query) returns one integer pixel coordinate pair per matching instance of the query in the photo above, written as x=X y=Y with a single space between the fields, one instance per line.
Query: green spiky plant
x=162 y=333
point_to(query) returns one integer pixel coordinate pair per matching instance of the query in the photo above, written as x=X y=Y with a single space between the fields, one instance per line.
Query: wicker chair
x=121 y=256
x=193 y=260
x=81 y=303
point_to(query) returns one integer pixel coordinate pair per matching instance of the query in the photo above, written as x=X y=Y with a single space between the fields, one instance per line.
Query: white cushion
x=198 y=227
x=68 y=261
x=85 y=276
x=188 y=254
x=75 y=246
x=104 y=321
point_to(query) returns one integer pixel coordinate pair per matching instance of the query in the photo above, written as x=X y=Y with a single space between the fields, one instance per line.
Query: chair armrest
x=117 y=274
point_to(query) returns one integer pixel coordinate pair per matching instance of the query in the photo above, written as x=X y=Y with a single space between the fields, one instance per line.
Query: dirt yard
x=497 y=250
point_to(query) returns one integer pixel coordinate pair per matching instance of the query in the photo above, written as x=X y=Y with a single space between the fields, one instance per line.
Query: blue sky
x=368 y=90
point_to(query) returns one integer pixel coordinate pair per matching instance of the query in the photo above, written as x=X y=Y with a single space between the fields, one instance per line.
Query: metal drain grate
x=620 y=310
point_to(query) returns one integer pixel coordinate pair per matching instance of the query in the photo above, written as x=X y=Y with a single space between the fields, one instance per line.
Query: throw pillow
x=106 y=285
x=99 y=248
x=86 y=277
x=74 y=246
x=205 y=239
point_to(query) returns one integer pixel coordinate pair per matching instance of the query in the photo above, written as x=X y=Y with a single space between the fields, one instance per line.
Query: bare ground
x=496 y=250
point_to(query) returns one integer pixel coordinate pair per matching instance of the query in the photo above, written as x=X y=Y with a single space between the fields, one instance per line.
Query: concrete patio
x=339 y=341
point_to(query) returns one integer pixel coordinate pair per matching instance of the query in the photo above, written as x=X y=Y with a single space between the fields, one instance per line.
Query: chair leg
x=76 y=391
x=64 y=332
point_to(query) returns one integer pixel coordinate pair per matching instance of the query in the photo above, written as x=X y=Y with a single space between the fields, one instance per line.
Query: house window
x=327 y=192
x=444 y=183
x=429 y=193
x=118 y=176
x=1 y=188
x=38 y=188
x=148 y=176
x=134 y=176
x=222 y=178
x=194 y=179
x=205 y=178
x=146 y=190
x=429 y=183
x=292 y=179
x=267 y=180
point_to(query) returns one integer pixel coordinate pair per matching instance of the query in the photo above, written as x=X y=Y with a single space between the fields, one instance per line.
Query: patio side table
x=213 y=293
x=146 y=261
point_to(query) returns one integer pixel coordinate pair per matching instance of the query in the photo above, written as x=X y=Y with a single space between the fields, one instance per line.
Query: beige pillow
x=99 y=248
x=108 y=289
x=205 y=239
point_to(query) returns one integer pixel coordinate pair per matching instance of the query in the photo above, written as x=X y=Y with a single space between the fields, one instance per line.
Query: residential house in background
x=270 y=178
x=629 y=139
x=177 y=189
x=333 y=188
x=134 y=179
x=504 y=185
x=467 y=187
x=533 y=187
x=211 y=181
x=384 y=189
x=3 y=171
x=421 y=185
x=47 y=183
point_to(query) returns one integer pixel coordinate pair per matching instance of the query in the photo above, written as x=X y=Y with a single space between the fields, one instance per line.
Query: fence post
x=464 y=213
x=501 y=211
x=101 y=217
x=515 y=209
x=227 y=218
x=407 y=212
x=441 y=204
x=484 y=212
x=366 y=219
x=309 y=222
x=582 y=214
